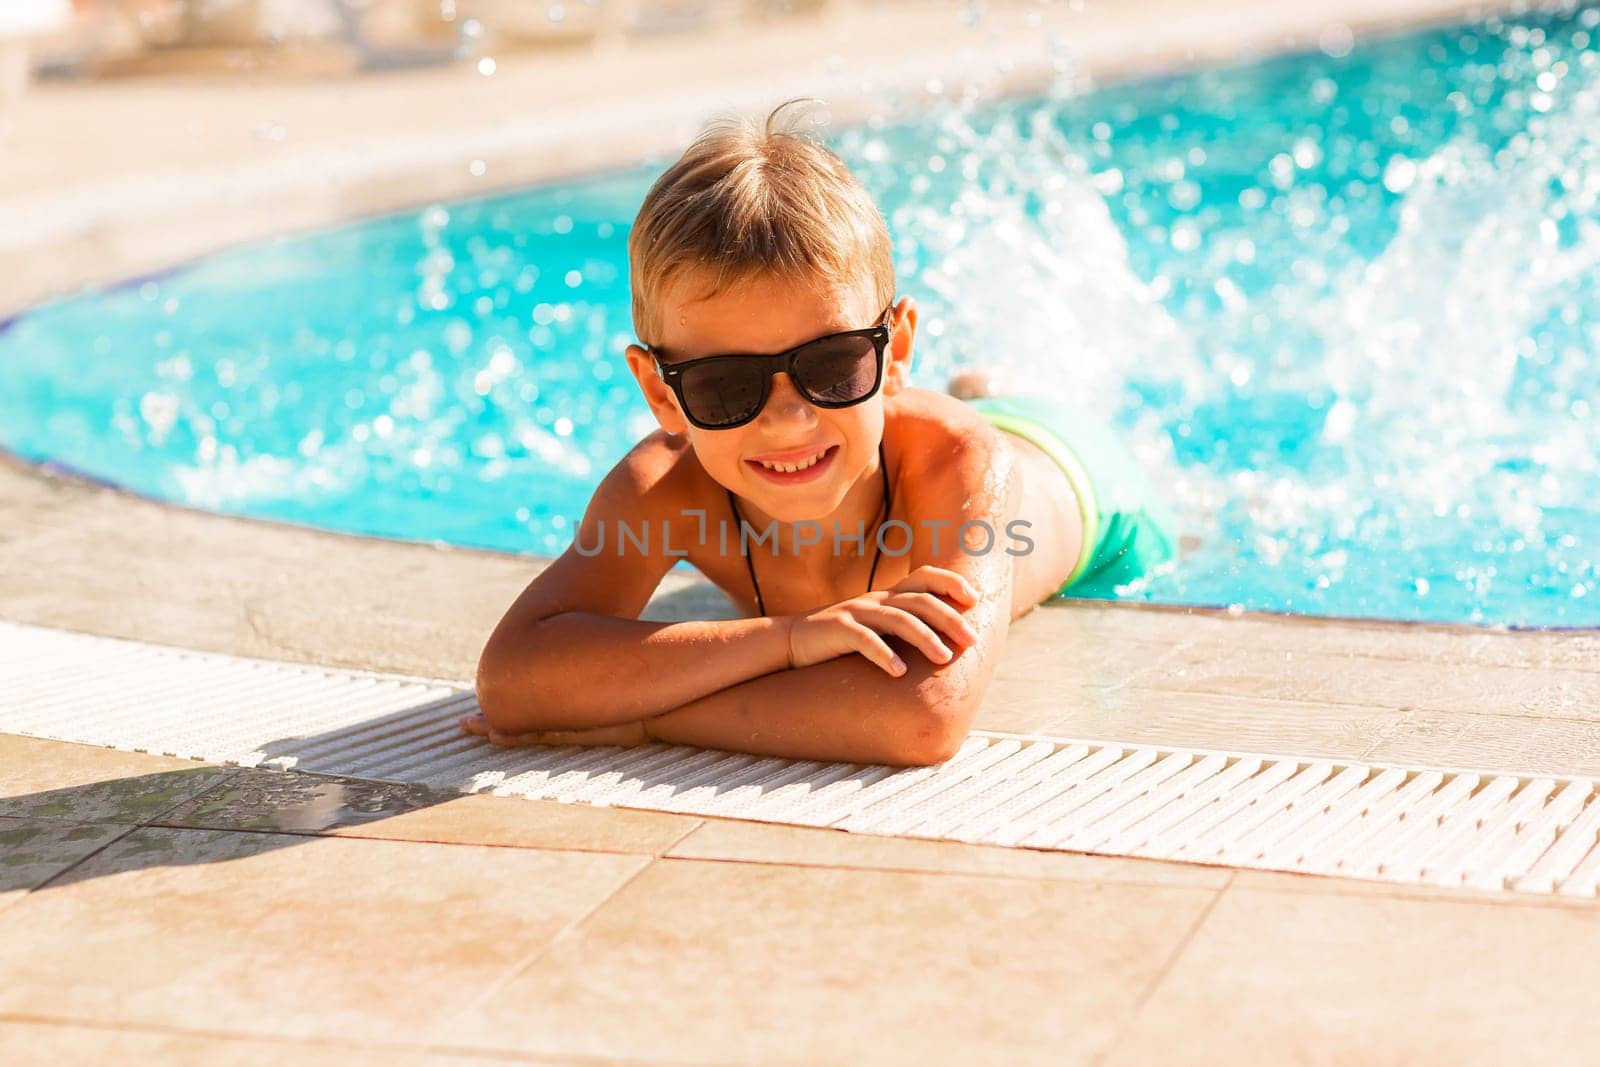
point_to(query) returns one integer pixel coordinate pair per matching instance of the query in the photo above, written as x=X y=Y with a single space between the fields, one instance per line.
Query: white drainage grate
x=1401 y=824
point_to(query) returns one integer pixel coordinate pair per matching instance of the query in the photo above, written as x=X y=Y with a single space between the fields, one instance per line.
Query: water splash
x=1330 y=300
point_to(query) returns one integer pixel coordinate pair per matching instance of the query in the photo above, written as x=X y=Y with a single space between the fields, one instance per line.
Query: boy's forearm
x=580 y=670
x=846 y=709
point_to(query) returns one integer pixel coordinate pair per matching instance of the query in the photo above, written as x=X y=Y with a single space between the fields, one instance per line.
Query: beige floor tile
x=1368 y=980
x=1239 y=722
x=522 y=823
x=32 y=851
x=53 y=1044
x=1209 y=633
x=290 y=802
x=759 y=963
x=1242 y=721
x=448 y=1058
x=276 y=934
x=1212 y=635
x=760 y=842
x=1493 y=742
x=1099 y=659
x=1311 y=676
x=1286 y=882
x=475 y=1059
x=42 y=779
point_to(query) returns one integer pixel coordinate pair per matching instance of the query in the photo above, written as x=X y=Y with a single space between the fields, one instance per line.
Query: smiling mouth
x=804 y=463
x=800 y=470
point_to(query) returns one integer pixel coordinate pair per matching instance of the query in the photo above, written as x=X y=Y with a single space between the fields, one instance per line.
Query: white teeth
x=790 y=468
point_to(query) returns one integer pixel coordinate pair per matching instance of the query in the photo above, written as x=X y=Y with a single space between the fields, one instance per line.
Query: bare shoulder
x=659 y=486
x=657 y=477
x=939 y=438
x=648 y=466
x=600 y=571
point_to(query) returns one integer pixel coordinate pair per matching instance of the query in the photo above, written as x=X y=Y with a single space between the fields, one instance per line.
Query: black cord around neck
x=877 y=551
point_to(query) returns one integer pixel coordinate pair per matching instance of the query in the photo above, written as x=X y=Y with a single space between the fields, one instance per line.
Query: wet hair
x=749 y=200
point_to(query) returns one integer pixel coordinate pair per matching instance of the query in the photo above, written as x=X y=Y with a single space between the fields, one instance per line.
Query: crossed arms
x=571 y=658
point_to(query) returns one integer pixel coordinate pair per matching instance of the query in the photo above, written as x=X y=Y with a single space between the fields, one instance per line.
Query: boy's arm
x=849 y=709
x=571 y=654
x=580 y=670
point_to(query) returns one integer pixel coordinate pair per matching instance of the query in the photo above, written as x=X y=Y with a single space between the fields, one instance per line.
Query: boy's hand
x=911 y=609
x=627 y=735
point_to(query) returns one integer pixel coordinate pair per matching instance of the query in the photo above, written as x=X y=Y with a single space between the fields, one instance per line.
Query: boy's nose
x=786 y=401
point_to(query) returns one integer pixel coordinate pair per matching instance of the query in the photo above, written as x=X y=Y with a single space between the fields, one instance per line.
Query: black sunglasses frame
x=672 y=373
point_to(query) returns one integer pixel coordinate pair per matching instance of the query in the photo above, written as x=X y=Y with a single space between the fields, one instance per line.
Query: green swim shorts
x=1127 y=530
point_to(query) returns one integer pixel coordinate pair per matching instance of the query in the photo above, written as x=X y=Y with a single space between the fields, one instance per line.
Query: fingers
x=624 y=735
x=940 y=580
x=907 y=612
x=514 y=740
x=478 y=725
x=938 y=614
x=902 y=623
x=871 y=645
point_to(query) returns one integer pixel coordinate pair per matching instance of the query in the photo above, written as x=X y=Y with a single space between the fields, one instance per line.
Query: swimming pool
x=1345 y=304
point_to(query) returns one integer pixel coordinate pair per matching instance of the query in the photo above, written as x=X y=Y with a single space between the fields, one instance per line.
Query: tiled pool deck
x=153 y=909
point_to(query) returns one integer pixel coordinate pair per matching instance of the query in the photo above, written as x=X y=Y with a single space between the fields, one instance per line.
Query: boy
x=878 y=538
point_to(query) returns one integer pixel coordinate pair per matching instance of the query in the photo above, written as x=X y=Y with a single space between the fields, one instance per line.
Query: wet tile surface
x=293 y=802
x=260 y=933
x=1352 y=979
x=795 y=964
x=32 y=851
x=42 y=779
x=758 y=842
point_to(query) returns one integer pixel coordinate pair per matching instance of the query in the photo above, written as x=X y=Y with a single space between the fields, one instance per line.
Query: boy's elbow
x=939 y=726
x=928 y=755
x=935 y=741
x=489 y=688
x=503 y=690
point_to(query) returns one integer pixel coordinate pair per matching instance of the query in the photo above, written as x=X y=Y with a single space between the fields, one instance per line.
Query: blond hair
x=747 y=200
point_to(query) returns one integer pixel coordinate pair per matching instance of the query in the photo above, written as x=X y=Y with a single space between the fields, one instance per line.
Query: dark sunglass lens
x=837 y=370
x=721 y=394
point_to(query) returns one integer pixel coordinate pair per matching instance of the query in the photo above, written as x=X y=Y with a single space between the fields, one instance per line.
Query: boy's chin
x=801 y=503
x=790 y=514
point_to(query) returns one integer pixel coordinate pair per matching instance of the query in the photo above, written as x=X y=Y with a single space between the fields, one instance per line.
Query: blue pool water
x=1345 y=304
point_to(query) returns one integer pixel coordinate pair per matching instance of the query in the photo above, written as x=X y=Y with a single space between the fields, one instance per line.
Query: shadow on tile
x=210 y=797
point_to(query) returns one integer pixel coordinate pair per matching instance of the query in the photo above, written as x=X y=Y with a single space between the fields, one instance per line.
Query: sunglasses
x=835 y=371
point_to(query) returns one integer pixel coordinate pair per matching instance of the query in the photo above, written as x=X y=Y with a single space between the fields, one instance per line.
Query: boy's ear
x=897 y=360
x=663 y=404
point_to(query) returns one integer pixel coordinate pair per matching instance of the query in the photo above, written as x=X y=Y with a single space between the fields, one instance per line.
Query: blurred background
x=121 y=37
x=1332 y=268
